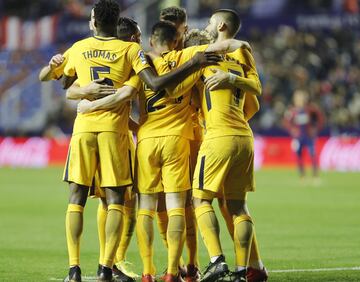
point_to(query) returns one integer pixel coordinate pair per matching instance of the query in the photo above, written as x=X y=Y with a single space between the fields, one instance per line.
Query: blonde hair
x=197 y=37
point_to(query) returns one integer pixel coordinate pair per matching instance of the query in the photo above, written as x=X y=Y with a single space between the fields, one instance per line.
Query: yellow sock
x=127 y=232
x=74 y=227
x=191 y=235
x=255 y=259
x=145 y=238
x=228 y=220
x=209 y=229
x=101 y=221
x=243 y=232
x=112 y=232
x=176 y=238
x=162 y=223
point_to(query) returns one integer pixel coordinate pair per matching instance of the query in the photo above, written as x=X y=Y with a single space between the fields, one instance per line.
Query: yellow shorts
x=96 y=191
x=225 y=167
x=105 y=152
x=163 y=165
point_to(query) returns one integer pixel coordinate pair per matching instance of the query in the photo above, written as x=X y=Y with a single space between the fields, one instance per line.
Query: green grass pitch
x=299 y=225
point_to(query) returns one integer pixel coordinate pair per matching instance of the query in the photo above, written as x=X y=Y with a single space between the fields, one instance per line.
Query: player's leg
x=115 y=177
x=256 y=267
x=101 y=221
x=211 y=169
x=175 y=203
x=145 y=234
x=226 y=215
x=297 y=145
x=193 y=273
x=162 y=217
x=243 y=233
x=192 y=268
x=239 y=181
x=127 y=233
x=79 y=171
x=149 y=186
x=312 y=153
x=176 y=181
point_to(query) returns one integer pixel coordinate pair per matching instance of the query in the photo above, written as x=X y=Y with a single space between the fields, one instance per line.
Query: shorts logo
x=142 y=57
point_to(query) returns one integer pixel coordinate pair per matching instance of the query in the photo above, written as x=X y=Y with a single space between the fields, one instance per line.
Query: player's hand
x=219 y=80
x=84 y=106
x=96 y=89
x=206 y=58
x=56 y=61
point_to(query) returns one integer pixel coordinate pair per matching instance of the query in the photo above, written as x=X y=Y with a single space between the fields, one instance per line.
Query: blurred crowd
x=327 y=65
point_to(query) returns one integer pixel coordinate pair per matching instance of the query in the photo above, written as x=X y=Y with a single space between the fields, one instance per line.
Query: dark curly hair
x=176 y=15
x=126 y=28
x=163 y=32
x=106 y=13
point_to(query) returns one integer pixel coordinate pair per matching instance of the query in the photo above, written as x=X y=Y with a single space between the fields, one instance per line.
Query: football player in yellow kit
x=225 y=162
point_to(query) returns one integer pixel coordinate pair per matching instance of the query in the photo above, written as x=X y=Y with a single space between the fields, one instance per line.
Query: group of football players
x=195 y=91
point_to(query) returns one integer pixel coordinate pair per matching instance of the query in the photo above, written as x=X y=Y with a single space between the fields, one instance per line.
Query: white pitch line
x=92 y=278
x=83 y=278
x=315 y=269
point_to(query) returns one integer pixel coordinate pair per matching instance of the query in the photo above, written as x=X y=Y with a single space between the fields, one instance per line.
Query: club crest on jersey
x=172 y=64
x=142 y=57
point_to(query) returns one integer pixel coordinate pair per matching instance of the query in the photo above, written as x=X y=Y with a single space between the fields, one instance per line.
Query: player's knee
x=175 y=200
x=78 y=194
x=148 y=201
x=197 y=202
x=115 y=196
x=237 y=207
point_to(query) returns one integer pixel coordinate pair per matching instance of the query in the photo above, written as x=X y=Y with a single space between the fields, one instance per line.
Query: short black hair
x=176 y=15
x=164 y=32
x=126 y=28
x=232 y=20
x=106 y=13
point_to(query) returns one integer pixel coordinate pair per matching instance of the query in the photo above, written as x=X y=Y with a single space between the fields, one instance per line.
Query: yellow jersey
x=162 y=114
x=112 y=59
x=223 y=109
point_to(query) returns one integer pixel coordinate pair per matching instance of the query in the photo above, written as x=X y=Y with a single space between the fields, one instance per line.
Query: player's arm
x=93 y=90
x=228 y=45
x=251 y=106
x=122 y=95
x=174 y=77
x=221 y=78
x=48 y=72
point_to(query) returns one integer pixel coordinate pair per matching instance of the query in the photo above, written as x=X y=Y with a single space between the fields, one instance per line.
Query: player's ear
x=133 y=38
x=221 y=26
x=151 y=42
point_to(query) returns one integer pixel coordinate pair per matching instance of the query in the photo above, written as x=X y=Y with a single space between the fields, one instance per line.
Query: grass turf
x=300 y=225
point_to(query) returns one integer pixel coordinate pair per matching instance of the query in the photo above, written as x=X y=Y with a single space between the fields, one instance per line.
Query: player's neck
x=105 y=34
x=222 y=36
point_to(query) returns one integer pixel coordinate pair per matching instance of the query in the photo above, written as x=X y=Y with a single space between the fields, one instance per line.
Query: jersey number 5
x=95 y=71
